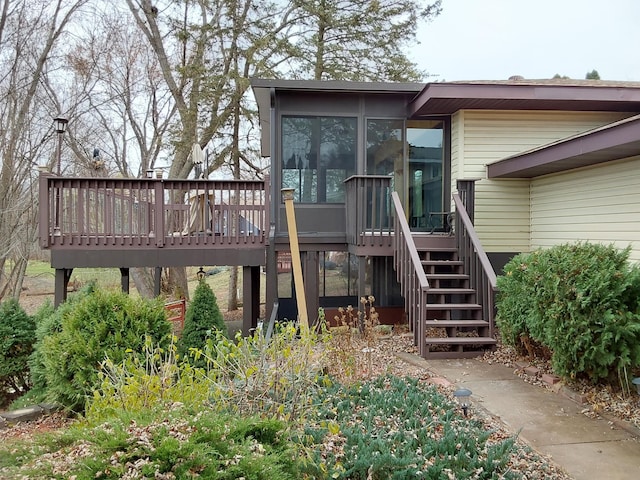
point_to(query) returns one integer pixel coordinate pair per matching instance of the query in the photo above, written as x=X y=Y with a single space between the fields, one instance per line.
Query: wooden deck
x=105 y=222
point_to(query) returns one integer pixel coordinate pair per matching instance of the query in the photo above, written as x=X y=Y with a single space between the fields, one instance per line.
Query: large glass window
x=425 y=139
x=318 y=154
x=384 y=146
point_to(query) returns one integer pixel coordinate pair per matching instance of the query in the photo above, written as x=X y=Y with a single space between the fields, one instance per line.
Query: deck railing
x=151 y=213
x=368 y=210
x=410 y=274
x=482 y=276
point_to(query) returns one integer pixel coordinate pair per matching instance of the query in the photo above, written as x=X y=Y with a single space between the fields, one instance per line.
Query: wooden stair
x=454 y=327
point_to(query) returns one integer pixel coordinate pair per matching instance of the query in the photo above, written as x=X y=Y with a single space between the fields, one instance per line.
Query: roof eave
x=447 y=98
x=612 y=142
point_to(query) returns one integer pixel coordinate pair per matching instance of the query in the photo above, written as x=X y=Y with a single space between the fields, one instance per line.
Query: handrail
x=482 y=276
x=151 y=213
x=410 y=274
x=368 y=219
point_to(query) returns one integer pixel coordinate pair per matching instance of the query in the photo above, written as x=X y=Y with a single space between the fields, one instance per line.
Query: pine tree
x=202 y=319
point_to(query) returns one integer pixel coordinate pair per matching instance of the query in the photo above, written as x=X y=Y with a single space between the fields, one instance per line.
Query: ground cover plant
x=581 y=302
x=397 y=428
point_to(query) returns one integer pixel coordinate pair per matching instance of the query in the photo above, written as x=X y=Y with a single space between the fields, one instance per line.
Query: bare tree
x=30 y=31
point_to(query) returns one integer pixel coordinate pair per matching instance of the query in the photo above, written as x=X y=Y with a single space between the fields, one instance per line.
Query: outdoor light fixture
x=149 y=173
x=200 y=274
x=60 y=124
x=636 y=382
x=463 y=396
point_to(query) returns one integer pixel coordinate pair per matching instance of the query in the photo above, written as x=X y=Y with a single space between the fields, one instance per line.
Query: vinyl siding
x=485 y=136
x=597 y=204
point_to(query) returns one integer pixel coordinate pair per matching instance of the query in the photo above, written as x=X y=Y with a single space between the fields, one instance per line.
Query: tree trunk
x=143 y=280
x=232 y=302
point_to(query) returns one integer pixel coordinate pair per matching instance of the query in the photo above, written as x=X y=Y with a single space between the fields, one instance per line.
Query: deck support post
x=362 y=284
x=157 y=277
x=311 y=284
x=63 y=275
x=124 y=279
x=250 y=299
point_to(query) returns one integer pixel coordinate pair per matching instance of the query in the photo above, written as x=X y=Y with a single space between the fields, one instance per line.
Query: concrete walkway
x=586 y=448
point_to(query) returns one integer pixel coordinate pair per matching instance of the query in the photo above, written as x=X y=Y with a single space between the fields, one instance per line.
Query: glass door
x=425 y=158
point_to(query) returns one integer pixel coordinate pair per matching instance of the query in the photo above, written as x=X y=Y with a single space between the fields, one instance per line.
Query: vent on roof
x=516 y=77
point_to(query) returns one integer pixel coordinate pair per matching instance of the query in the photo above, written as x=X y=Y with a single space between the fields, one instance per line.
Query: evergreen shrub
x=579 y=300
x=91 y=329
x=203 y=320
x=17 y=336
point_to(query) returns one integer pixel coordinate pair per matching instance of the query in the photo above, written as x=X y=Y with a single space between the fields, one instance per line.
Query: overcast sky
x=494 y=39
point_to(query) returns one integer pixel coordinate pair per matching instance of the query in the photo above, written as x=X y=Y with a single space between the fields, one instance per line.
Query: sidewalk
x=586 y=448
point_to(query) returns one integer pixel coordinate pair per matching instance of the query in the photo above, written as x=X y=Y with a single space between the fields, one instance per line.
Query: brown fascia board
x=614 y=141
x=337 y=86
x=447 y=98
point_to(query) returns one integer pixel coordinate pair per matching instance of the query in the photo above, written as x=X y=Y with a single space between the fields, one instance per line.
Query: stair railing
x=482 y=277
x=410 y=274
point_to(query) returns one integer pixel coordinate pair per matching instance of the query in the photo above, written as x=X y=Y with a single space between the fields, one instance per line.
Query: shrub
x=257 y=376
x=202 y=320
x=95 y=327
x=48 y=322
x=579 y=300
x=17 y=336
x=154 y=381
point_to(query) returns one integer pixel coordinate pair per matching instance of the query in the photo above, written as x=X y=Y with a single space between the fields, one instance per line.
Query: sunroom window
x=318 y=154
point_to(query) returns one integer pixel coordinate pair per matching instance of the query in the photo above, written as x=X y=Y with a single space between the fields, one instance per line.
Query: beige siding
x=598 y=204
x=457 y=146
x=483 y=137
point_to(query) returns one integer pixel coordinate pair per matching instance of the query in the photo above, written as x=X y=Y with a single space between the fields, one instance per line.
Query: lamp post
x=463 y=396
x=200 y=274
x=60 y=125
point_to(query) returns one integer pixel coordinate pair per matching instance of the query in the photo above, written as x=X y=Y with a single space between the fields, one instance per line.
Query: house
x=416 y=194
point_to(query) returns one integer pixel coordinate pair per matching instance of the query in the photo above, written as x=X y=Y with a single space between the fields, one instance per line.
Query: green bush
x=17 y=336
x=97 y=326
x=581 y=301
x=202 y=320
x=48 y=322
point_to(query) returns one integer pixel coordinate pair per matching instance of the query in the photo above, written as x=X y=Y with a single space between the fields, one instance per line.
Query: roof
x=554 y=94
x=610 y=142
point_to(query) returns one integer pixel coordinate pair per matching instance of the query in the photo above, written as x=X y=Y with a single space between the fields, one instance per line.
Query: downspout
x=272 y=267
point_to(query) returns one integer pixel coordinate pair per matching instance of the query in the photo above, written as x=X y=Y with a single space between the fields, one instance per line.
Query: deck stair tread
x=460 y=341
x=450 y=291
x=444 y=263
x=453 y=306
x=447 y=276
x=456 y=323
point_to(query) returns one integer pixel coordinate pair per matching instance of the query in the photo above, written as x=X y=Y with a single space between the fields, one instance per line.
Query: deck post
x=157 y=277
x=250 y=299
x=124 y=279
x=61 y=284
